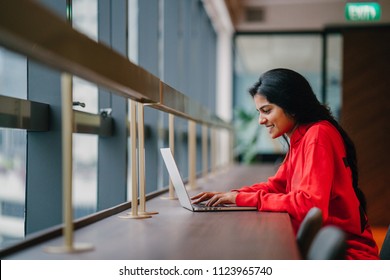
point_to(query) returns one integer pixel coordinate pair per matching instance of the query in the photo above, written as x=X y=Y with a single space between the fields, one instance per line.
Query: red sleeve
x=310 y=185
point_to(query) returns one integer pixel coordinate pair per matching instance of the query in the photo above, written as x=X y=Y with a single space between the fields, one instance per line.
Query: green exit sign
x=362 y=11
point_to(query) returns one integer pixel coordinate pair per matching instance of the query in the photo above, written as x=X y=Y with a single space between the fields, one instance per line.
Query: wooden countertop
x=176 y=233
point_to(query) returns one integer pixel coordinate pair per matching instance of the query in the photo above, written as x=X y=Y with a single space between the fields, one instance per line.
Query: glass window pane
x=85 y=147
x=334 y=73
x=13 y=82
x=12 y=185
x=86 y=93
x=84 y=17
x=84 y=174
x=133 y=30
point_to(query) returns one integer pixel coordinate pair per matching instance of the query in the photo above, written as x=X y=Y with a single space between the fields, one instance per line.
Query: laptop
x=182 y=194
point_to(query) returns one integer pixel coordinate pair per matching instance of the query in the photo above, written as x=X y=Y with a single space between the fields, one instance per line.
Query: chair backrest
x=328 y=244
x=385 y=250
x=308 y=229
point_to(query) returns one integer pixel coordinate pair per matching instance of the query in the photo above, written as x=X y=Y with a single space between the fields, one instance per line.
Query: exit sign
x=362 y=11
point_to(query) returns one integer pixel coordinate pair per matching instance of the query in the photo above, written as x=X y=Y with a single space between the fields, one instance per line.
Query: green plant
x=247 y=135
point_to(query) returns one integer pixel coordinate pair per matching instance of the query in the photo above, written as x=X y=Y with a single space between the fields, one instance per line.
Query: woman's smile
x=273 y=117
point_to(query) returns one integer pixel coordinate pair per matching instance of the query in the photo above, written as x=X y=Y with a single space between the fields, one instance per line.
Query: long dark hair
x=293 y=93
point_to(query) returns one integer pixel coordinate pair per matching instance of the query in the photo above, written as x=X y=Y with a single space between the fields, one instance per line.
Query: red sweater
x=314 y=174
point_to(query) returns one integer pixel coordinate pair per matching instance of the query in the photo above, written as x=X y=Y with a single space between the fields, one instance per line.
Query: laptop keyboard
x=205 y=207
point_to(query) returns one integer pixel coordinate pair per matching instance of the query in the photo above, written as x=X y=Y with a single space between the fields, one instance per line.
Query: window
x=85 y=146
x=13 y=82
x=334 y=73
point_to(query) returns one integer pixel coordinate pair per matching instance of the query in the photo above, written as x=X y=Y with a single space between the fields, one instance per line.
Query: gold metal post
x=67 y=134
x=204 y=151
x=192 y=154
x=133 y=161
x=141 y=161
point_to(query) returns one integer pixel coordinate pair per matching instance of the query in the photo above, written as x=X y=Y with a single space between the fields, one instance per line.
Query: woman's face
x=273 y=117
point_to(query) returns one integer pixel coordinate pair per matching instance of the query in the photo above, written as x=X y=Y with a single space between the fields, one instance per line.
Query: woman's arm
x=276 y=183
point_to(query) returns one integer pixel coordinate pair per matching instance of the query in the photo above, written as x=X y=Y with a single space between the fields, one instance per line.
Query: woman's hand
x=215 y=198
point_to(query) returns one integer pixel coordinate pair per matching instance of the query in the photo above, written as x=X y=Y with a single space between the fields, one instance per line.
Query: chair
x=385 y=250
x=309 y=227
x=328 y=244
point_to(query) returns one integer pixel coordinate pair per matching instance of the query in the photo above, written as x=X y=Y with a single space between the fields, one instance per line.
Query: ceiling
x=294 y=15
x=254 y=54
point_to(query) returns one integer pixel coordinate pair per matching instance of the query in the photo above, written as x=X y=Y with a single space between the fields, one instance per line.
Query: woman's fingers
x=215 y=200
x=222 y=198
x=203 y=196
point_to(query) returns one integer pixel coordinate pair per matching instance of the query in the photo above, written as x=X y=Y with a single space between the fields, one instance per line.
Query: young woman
x=320 y=168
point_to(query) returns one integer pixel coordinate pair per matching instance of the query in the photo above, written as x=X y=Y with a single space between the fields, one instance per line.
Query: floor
x=379 y=235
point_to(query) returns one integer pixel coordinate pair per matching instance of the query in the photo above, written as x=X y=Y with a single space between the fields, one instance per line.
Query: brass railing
x=63 y=48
